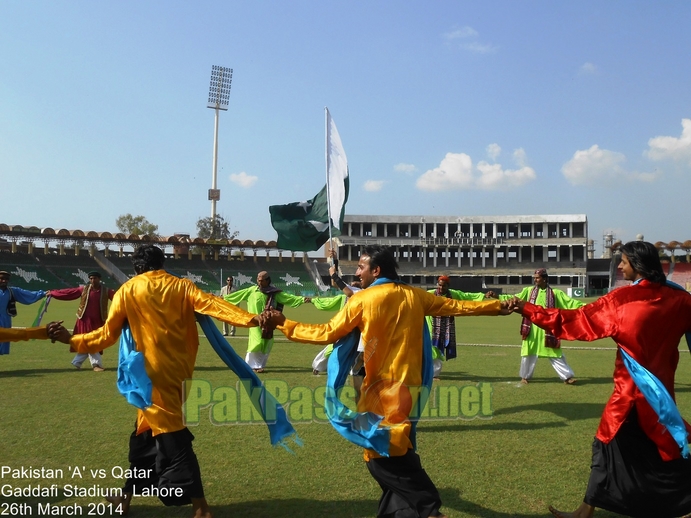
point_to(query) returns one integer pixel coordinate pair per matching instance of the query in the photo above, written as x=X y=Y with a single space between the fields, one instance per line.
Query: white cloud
x=462 y=36
x=463 y=32
x=587 y=69
x=677 y=149
x=493 y=151
x=597 y=166
x=493 y=177
x=243 y=179
x=520 y=157
x=374 y=185
x=456 y=172
x=404 y=168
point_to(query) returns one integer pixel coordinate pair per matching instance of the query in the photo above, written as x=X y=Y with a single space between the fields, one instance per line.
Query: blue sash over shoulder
x=364 y=428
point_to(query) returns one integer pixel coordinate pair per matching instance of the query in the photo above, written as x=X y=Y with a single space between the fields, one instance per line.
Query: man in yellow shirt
x=391 y=318
x=160 y=308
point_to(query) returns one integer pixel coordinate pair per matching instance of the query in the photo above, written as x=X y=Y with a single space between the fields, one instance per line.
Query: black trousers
x=171 y=463
x=408 y=491
x=628 y=476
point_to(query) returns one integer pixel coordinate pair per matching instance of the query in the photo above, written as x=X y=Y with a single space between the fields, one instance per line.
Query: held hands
x=512 y=305
x=270 y=318
x=491 y=295
x=517 y=305
x=57 y=333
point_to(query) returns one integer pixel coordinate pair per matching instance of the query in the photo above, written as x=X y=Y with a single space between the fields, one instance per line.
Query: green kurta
x=534 y=344
x=335 y=303
x=256 y=301
x=329 y=303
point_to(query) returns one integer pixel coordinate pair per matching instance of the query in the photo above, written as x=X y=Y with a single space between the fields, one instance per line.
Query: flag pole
x=326 y=150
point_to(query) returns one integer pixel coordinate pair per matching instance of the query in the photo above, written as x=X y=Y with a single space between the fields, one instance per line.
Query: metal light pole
x=219 y=92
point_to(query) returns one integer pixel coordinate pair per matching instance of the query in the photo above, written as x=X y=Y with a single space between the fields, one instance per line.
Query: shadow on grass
x=460 y=426
x=474 y=378
x=451 y=499
x=268 y=370
x=268 y=509
x=570 y=411
x=40 y=372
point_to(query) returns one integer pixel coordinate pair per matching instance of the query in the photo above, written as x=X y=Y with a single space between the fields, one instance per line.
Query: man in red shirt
x=92 y=313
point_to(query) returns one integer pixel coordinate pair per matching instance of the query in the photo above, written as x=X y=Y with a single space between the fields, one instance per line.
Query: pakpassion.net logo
x=239 y=404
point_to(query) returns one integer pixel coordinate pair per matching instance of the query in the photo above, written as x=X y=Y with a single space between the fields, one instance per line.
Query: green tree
x=139 y=225
x=215 y=228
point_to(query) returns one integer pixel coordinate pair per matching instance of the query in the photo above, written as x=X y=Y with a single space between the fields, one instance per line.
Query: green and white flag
x=304 y=226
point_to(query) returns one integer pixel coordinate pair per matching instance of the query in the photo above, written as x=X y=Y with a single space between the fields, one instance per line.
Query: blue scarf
x=133 y=381
x=657 y=395
x=271 y=411
x=135 y=385
x=363 y=428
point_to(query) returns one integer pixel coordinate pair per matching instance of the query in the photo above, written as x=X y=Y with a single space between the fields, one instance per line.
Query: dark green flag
x=304 y=226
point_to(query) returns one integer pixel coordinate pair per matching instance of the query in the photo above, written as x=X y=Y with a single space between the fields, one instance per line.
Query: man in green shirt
x=260 y=297
x=536 y=342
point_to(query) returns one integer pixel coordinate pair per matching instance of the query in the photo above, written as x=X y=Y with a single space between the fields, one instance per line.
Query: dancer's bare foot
x=524 y=381
x=201 y=508
x=120 y=501
x=584 y=511
x=570 y=381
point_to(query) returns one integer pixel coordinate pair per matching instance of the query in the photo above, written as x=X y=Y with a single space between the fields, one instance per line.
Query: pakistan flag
x=304 y=226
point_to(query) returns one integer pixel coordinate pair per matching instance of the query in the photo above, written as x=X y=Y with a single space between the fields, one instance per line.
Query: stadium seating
x=28 y=273
x=54 y=271
x=681 y=274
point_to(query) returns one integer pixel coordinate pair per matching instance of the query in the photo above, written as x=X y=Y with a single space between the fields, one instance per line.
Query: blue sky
x=443 y=108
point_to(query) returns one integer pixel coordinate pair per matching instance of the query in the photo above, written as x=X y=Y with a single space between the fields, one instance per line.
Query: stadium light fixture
x=219 y=93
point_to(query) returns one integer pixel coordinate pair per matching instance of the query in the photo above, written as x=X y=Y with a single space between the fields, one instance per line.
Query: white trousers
x=94 y=358
x=563 y=369
x=256 y=360
x=228 y=329
x=438 y=364
x=320 y=361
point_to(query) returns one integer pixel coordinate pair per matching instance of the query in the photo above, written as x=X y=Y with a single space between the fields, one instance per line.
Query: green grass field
x=534 y=450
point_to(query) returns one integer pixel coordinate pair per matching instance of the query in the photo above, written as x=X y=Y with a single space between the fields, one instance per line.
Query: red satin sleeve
x=590 y=322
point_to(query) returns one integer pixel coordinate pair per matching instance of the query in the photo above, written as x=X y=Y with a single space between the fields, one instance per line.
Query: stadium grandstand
x=478 y=253
x=50 y=259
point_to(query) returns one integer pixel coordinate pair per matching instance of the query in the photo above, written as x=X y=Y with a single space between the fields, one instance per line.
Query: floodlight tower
x=219 y=92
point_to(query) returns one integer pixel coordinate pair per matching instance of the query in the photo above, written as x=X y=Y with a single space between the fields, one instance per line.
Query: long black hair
x=645 y=260
x=382 y=257
x=147 y=258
